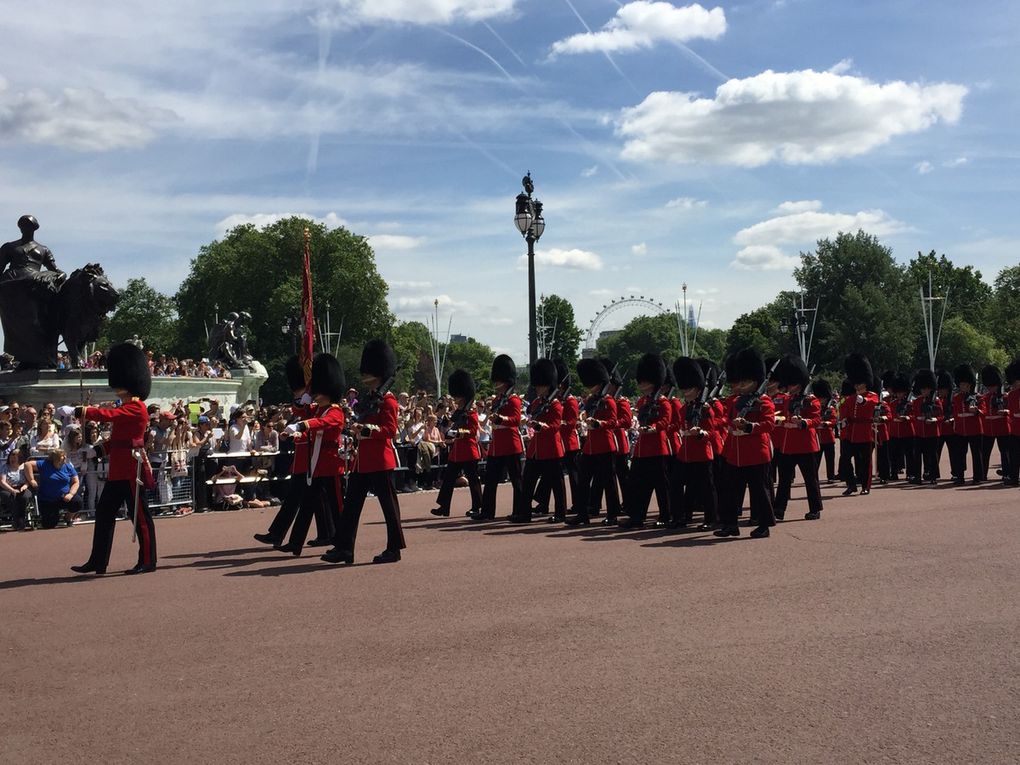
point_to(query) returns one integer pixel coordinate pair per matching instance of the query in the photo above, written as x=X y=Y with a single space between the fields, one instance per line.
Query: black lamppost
x=531 y=224
x=290 y=327
x=798 y=323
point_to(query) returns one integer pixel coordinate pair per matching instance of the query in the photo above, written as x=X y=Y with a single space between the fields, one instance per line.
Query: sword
x=134 y=504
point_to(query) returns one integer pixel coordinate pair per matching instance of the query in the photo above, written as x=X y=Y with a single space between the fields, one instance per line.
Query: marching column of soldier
x=687 y=445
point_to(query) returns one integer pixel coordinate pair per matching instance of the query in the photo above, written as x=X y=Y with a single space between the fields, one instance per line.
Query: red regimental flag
x=307 y=349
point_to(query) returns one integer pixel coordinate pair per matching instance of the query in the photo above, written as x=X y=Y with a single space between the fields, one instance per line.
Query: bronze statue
x=228 y=341
x=39 y=303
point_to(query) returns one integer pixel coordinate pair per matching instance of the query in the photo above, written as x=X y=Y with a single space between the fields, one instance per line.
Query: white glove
x=860 y=399
x=305 y=399
x=292 y=428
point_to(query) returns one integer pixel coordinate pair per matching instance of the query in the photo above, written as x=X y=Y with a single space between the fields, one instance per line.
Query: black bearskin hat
x=924 y=378
x=791 y=371
x=543 y=372
x=846 y=387
x=614 y=377
x=710 y=370
x=127 y=368
x=591 y=372
x=944 y=379
x=651 y=368
x=858 y=369
x=460 y=385
x=378 y=360
x=964 y=373
x=503 y=370
x=562 y=373
x=746 y=364
x=898 y=383
x=328 y=377
x=295 y=374
x=688 y=373
x=670 y=379
x=990 y=376
x=1012 y=372
x=822 y=389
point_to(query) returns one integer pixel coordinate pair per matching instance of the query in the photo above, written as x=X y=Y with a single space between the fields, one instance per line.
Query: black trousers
x=49 y=510
x=550 y=472
x=860 y=456
x=542 y=493
x=925 y=457
x=1004 y=452
x=451 y=473
x=17 y=505
x=325 y=500
x=691 y=485
x=900 y=456
x=958 y=456
x=1013 y=448
x=647 y=474
x=883 y=461
x=494 y=468
x=289 y=509
x=828 y=453
x=846 y=468
x=358 y=486
x=786 y=464
x=621 y=469
x=115 y=494
x=594 y=472
x=755 y=480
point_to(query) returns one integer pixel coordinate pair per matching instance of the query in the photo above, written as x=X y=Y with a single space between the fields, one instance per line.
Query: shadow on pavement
x=303 y=568
x=219 y=553
x=15 y=584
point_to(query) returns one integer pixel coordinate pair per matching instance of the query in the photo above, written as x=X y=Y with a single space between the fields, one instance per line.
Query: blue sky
x=670 y=142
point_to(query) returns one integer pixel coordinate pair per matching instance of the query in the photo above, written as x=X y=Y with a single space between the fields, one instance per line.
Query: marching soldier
x=692 y=479
x=826 y=428
x=462 y=438
x=569 y=438
x=128 y=374
x=795 y=437
x=969 y=412
x=376 y=427
x=947 y=426
x=545 y=449
x=648 y=469
x=1012 y=375
x=901 y=427
x=506 y=446
x=751 y=418
x=927 y=412
x=596 y=463
x=997 y=421
x=858 y=412
x=322 y=486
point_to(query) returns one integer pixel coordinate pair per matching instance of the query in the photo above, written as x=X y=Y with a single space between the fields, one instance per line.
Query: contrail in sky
x=701 y=61
x=474 y=47
x=505 y=45
x=609 y=58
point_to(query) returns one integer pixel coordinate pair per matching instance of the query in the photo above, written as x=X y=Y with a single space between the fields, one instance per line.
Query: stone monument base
x=39 y=387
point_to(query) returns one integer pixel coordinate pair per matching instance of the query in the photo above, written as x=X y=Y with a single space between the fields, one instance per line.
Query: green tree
x=476 y=359
x=711 y=343
x=1004 y=311
x=969 y=295
x=644 y=334
x=757 y=329
x=145 y=312
x=411 y=342
x=961 y=343
x=862 y=300
x=562 y=336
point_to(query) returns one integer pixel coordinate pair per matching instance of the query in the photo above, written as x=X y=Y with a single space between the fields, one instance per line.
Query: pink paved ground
x=883 y=633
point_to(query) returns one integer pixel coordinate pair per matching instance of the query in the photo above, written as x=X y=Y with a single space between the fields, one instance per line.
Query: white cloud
x=641 y=24
x=924 y=167
x=802 y=117
x=332 y=220
x=408 y=286
x=394 y=242
x=575 y=260
x=807 y=205
x=590 y=172
x=422 y=11
x=82 y=119
x=842 y=67
x=801 y=223
x=418 y=303
x=603 y=292
x=639 y=249
x=497 y=321
x=958 y=162
x=686 y=203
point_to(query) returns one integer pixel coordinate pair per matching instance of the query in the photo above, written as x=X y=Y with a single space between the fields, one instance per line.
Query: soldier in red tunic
x=901 y=427
x=596 y=465
x=568 y=435
x=826 y=428
x=506 y=446
x=692 y=481
x=1012 y=375
x=462 y=438
x=997 y=421
x=648 y=469
x=748 y=451
x=321 y=486
x=795 y=437
x=927 y=412
x=858 y=412
x=545 y=449
x=375 y=430
x=128 y=374
x=969 y=412
x=301 y=409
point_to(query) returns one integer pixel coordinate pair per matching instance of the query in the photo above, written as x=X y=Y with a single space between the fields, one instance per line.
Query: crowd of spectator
x=162 y=366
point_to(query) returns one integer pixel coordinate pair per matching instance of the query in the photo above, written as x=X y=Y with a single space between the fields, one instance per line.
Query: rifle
x=650 y=410
x=371 y=404
x=544 y=406
x=753 y=399
x=589 y=407
x=719 y=383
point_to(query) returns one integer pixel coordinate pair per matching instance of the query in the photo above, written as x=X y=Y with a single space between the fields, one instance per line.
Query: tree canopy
x=562 y=336
x=145 y=312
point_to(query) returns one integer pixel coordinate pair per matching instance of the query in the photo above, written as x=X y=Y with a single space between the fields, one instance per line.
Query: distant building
x=459 y=339
x=691 y=321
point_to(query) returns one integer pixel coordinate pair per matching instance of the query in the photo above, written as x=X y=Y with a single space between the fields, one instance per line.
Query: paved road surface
x=886 y=632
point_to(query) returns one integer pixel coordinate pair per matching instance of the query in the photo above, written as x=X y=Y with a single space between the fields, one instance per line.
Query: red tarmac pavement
x=886 y=632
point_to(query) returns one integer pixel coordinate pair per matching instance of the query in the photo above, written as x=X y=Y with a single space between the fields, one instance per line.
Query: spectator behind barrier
x=55 y=482
x=14 y=494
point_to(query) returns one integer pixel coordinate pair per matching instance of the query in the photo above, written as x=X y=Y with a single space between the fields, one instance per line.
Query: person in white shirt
x=46 y=438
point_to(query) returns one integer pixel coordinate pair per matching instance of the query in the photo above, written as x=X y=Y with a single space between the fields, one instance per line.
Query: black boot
x=336 y=555
x=387 y=556
x=88 y=568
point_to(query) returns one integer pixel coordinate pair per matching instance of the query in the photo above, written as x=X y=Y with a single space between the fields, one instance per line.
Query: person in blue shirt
x=55 y=482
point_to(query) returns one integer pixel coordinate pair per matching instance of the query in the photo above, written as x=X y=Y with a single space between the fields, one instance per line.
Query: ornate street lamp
x=529 y=221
